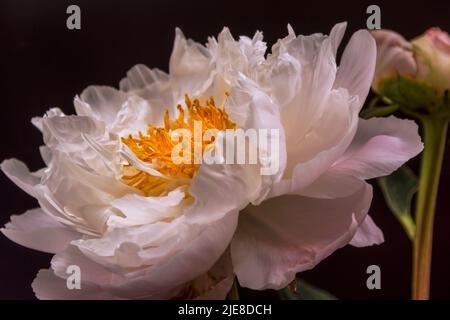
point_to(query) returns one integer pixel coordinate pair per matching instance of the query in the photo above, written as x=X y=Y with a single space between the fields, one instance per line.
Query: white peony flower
x=141 y=227
x=322 y=200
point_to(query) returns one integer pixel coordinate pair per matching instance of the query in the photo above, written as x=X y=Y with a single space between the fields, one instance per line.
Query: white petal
x=256 y=111
x=254 y=50
x=245 y=56
x=140 y=210
x=157 y=241
x=194 y=257
x=37 y=230
x=105 y=102
x=232 y=186
x=97 y=282
x=311 y=157
x=48 y=286
x=381 y=146
x=91 y=272
x=289 y=234
x=141 y=77
x=85 y=140
x=312 y=65
x=18 y=172
x=53 y=112
x=77 y=195
x=134 y=116
x=319 y=118
x=154 y=86
x=227 y=54
x=190 y=65
x=285 y=80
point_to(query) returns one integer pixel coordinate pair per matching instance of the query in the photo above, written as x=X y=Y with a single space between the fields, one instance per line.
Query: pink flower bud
x=432 y=53
x=394 y=56
x=440 y=39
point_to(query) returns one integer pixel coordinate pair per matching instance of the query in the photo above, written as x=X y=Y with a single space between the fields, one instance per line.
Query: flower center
x=155 y=147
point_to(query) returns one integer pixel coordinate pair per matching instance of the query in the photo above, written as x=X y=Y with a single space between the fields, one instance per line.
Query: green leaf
x=302 y=290
x=398 y=190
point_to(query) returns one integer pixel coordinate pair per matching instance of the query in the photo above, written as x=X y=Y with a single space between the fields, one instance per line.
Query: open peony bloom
x=139 y=226
x=413 y=73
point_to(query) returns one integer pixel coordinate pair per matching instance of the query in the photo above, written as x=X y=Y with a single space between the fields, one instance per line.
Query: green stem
x=435 y=132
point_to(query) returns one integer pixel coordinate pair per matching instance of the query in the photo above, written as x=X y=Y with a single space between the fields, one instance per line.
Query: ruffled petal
x=37 y=230
x=154 y=86
x=77 y=196
x=98 y=282
x=102 y=102
x=190 y=66
x=139 y=210
x=85 y=140
x=148 y=260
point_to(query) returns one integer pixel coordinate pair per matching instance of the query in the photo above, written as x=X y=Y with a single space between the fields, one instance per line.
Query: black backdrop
x=44 y=65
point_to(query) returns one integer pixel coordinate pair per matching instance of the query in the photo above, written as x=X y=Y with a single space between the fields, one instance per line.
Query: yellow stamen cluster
x=155 y=147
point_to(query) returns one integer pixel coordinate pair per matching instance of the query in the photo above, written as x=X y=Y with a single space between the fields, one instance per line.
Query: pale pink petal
x=332 y=184
x=380 y=146
x=239 y=185
x=289 y=234
x=367 y=234
x=357 y=65
x=18 y=172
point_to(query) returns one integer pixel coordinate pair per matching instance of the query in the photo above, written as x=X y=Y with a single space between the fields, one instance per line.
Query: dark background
x=43 y=65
